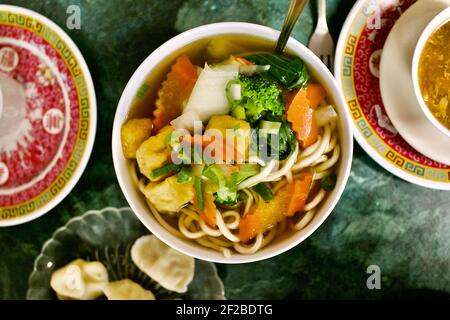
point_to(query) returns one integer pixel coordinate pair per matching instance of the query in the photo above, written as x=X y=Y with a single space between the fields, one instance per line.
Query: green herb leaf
x=185 y=175
x=278 y=146
x=264 y=191
x=328 y=182
x=291 y=73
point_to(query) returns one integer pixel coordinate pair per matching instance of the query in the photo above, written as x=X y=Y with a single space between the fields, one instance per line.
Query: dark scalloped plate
x=107 y=236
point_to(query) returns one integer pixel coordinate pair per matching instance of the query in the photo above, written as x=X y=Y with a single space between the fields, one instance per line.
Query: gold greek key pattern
x=351 y=45
x=354 y=109
x=395 y=158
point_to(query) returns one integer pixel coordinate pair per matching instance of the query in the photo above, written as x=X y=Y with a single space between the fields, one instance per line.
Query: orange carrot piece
x=209 y=213
x=262 y=218
x=313 y=134
x=300 y=193
x=315 y=93
x=300 y=115
x=290 y=97
x=286 y=202
x=175 y=89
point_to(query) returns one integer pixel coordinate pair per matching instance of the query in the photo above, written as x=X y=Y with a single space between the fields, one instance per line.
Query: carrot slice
x=287 y=201
x=299 y=194
x=209 y=212
x=175 y=89
x=300 y=115
x=262 y=218
x=315 y=93
x=290 y=97
x=313 y=134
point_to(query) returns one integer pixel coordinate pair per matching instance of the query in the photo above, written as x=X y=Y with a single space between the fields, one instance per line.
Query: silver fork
x=321 y=42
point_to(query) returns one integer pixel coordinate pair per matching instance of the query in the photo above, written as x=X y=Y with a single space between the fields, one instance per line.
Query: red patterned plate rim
x=356 y=65
x=77 y=94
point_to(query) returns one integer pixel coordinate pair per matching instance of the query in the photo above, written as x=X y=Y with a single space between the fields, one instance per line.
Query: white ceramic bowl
x=136 y=199
x=439 y=20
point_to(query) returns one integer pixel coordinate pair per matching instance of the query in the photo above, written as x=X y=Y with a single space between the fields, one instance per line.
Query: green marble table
x=380 y=220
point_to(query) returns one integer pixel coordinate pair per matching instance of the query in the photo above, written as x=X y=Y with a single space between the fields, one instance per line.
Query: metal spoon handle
x=295 y=8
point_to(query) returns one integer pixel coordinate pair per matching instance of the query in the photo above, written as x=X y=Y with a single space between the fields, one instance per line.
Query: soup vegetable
x=434 y=74
x=239 y=150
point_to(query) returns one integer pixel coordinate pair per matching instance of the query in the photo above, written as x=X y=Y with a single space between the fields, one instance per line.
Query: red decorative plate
x=47 y=115
x=357 y=71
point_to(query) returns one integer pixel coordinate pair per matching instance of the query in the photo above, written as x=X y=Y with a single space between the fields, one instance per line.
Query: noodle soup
x=231 y=146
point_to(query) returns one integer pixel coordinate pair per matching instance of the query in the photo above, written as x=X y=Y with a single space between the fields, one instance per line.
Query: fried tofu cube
x=133 y=133
x=169 y=196
x=154 y=152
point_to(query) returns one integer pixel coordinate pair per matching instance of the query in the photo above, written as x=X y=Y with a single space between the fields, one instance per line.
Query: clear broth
x=211 y=50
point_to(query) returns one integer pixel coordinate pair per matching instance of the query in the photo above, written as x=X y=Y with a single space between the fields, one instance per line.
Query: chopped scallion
x=199 y=193
x=164 y=170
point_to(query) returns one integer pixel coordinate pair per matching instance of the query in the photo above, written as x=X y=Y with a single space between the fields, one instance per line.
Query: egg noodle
x=320 y=158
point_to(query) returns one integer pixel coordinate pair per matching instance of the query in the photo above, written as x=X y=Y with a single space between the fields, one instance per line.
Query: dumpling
x=133 y=133
x=170 y=268
x=127 y=290
x=80 y=280
x=169 y=196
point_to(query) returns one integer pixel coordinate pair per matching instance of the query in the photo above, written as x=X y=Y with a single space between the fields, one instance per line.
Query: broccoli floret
x=260 y=98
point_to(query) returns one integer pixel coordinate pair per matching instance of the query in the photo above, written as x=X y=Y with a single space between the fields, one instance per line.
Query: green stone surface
x=381 y=220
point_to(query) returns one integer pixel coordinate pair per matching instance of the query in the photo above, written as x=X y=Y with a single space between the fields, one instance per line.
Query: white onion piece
x=208 y=97
x=235 y=92
x=325 y=115
x=185 y=121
